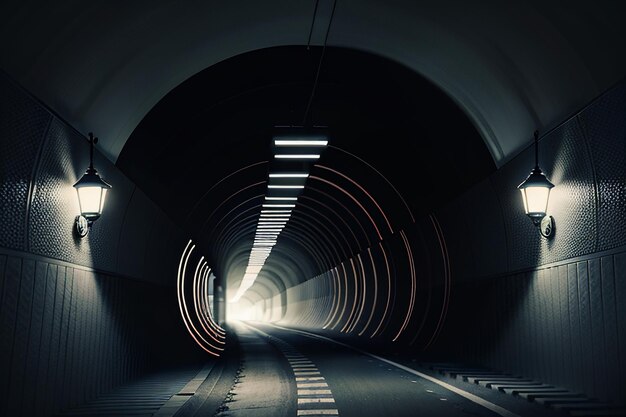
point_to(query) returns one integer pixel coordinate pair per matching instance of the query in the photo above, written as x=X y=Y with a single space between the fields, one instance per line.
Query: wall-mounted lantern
x=535 y=193
x=92 y=190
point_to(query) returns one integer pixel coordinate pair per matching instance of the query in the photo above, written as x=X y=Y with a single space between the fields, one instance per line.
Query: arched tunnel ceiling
x=399 y=148
x=511 y=66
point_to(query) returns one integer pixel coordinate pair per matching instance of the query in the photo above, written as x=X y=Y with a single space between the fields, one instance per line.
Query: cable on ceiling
x=321 y=60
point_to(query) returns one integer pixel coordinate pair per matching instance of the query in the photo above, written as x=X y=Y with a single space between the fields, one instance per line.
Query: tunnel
x=312 y=208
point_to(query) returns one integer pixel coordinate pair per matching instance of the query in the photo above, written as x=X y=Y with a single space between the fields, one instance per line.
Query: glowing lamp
x=535 y=195
x=91 y=190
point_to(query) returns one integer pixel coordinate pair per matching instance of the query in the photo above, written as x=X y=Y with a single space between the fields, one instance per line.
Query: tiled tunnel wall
x=551 y=309
x=77 y=316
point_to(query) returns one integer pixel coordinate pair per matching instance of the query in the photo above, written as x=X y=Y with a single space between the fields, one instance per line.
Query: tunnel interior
x=398 y=134
x=403 y=238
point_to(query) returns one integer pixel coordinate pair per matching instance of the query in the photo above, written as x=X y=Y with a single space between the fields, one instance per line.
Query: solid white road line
x=473 y=398
x=318 y=412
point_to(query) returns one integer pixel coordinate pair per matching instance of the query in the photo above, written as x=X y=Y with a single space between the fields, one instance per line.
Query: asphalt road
x=329 y=379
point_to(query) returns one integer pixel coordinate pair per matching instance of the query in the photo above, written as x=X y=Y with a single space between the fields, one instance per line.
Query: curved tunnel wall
x=549 y=309
x=69 y=313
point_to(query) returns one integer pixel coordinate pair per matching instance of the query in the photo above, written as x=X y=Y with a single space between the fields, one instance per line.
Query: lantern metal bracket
x=546 y=227
x=82 y=226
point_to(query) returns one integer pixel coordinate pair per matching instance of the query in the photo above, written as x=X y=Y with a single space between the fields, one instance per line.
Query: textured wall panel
x=565 y=160
x=22 y=127
x=41 y=157
x=586 y=159
x=55 y=204
x=605 y=126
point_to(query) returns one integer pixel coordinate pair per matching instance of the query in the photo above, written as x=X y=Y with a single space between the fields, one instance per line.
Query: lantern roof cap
x=536 y=178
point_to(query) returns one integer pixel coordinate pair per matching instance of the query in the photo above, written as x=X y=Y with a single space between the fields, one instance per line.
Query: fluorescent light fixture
x=281 y=198
x=291 y=187
x=275 y=211
x=297 y=156
x=299 y=142
x=279 y=205
x=289 y=175
x=272 y=215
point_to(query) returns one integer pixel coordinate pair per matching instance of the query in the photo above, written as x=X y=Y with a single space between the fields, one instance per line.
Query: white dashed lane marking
x=312 y=389
x=316 y=400
x=312 y=385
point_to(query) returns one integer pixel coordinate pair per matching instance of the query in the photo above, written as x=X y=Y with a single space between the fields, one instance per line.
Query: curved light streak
x=447 y=279
x=413 y=286
x=345 y=296
x=180 y=282
x=364 y=191
x=356 y=295
x=337 y=279
x=375 y=301
x=382 y=320
x=196 y=302
x=205 y=298
x=408 y=209
x=337 y=215
x=361 y=272
x=332 y=184
x=219 y=182
x=333 y=294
